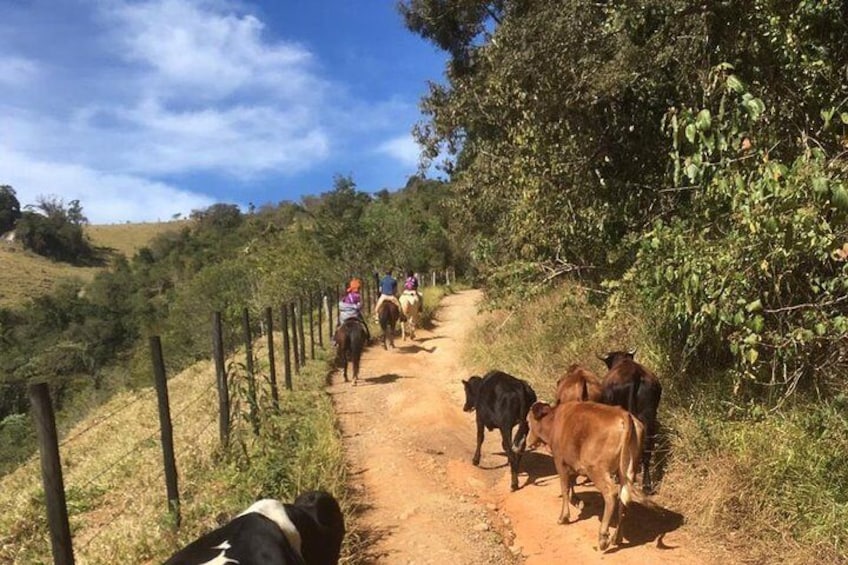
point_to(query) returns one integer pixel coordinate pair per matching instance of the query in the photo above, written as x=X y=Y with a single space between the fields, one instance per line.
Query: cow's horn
x=602 y=356
x=632 y=352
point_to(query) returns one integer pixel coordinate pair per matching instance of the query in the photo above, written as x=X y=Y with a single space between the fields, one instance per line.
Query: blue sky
x=145 y=109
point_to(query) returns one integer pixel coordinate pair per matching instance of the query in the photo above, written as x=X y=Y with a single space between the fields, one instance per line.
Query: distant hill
x=25 y=275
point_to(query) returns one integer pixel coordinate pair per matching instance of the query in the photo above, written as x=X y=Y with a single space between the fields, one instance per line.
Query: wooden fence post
x=295 y=348
x=330 y=333
x=165 y=430
x=272 y=367
x=51 y=474
x=366 y=288
x=251 y=376
x=284 y=324
x=221 y=380
x=300 y=331
x=311 y=306
x=320 y=319
x=338 y=311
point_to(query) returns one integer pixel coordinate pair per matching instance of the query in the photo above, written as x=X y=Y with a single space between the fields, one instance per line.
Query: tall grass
x=764 y=483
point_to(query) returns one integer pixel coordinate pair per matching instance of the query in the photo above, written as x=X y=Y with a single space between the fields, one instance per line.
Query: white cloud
x=17 y=71
x=143 y=90
x=105 y=197
x=403 y=148
x=208 y=51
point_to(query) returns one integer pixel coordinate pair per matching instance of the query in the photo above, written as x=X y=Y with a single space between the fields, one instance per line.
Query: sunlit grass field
x=25 y=275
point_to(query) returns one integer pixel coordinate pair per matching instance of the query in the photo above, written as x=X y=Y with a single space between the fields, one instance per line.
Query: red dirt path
x=409 y=447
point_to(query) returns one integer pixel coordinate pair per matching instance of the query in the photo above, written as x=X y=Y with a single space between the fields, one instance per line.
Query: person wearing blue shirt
x=388 y=292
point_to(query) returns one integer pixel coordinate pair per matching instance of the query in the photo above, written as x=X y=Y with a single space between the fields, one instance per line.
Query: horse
x=410 y=305
x=389 y=316
x=350 y=341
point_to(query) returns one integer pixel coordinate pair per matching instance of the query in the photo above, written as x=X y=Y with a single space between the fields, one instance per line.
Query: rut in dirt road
x=409 y=448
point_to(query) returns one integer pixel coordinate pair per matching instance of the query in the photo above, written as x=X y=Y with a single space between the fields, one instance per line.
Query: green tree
x=52 y=229
x=10 y=208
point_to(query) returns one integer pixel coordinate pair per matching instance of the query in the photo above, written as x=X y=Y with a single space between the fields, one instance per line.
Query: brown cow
x=636 y=389
x=595 y=440
x=579 y=383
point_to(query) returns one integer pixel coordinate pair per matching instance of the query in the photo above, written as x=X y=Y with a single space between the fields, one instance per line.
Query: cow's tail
x=627 y=467
x=527 y=400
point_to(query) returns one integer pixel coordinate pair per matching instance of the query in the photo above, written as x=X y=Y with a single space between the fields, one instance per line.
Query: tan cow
x=599 y=441
x=579 y=383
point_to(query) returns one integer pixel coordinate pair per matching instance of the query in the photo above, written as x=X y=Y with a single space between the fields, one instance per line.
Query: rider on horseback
x=350 y=307
x=411 y=286
x=388 y=292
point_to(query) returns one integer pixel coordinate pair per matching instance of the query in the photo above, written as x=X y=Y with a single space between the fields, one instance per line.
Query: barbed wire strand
x=103 y=420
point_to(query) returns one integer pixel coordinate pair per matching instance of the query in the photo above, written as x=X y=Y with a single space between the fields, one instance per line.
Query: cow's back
x=579 y=384
x=634 y=388
x=589 y=434
x=504 y=399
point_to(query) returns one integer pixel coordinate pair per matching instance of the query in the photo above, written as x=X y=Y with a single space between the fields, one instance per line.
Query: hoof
x=475 y=461
x=513 y=487
x=603 y=542
x=562 y=520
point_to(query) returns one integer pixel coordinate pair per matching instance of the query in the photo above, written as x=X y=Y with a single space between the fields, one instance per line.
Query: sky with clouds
x=145 y=109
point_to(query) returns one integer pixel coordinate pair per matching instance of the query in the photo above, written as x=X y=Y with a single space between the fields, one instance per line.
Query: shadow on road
x=537 y=465
x=384 y=379
x=361 y=542
x=412 y=349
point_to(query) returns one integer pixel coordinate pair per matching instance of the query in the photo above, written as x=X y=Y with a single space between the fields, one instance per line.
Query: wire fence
x=301 y=325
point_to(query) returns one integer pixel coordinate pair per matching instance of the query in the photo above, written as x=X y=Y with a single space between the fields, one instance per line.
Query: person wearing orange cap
x=350 y=306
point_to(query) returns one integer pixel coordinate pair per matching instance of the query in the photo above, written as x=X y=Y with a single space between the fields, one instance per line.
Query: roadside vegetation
x=671 y=176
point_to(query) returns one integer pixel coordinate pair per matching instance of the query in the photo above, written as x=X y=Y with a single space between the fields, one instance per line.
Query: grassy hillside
x=24 y=275
x=128 y=238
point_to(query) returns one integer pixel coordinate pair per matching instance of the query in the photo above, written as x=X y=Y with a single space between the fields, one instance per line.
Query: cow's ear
x=464 y=382
x=540 y=410
x=632 y=352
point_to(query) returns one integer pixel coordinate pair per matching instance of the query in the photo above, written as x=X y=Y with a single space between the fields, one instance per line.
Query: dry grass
x=25 y=275
x=128 y=238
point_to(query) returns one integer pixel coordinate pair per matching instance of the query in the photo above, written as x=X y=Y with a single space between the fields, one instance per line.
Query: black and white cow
x=308 y=532
x=501 y=401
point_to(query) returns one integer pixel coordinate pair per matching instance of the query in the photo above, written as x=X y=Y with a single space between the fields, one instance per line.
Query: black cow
x=501 y=401
x=308 y=532
x=636 y=389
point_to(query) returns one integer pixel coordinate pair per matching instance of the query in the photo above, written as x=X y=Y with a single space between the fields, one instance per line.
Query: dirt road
x=409 y=446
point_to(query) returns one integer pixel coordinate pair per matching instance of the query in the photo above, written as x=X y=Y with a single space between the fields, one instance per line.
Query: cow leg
x=619 y=520
x=565 y=477
x=344 y=364
x=573 y=498
x=647 y=487
x=609 y=491
x=476 y=459
x=513 y=456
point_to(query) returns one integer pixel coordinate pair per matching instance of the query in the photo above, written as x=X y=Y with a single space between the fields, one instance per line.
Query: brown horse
x=350 y=341
x=389 y=316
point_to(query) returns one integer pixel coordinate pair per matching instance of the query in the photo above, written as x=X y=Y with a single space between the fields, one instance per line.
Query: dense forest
x=692 y=152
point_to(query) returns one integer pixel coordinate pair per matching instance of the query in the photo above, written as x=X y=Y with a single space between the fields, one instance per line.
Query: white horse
x=410 y=305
